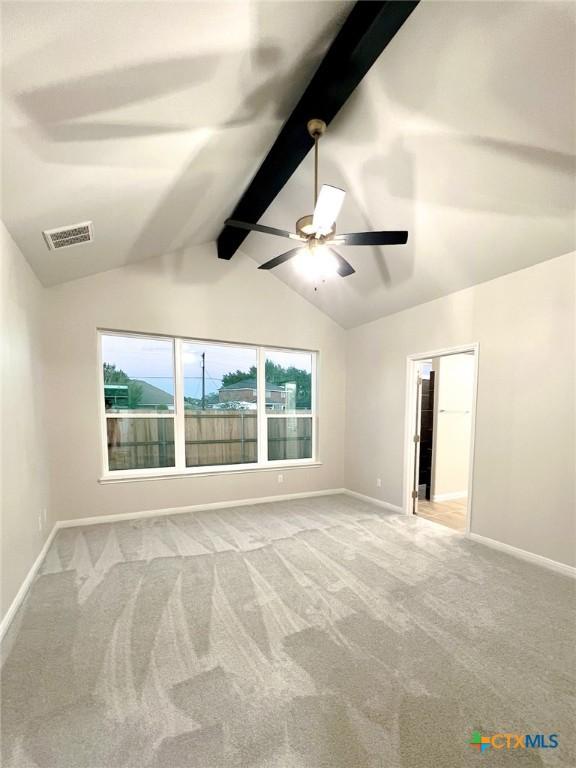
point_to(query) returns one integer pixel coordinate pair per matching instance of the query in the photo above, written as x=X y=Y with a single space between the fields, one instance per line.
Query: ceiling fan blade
x=371 y=238
x=262 y=228
x=277 y=260
x=344 y=268
x=327 y=208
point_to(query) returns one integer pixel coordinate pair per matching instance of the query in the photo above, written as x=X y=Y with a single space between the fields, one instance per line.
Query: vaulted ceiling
x=148 y=118
x=151 y=118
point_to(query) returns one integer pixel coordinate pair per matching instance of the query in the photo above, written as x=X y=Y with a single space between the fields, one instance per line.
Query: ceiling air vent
x=64 y=237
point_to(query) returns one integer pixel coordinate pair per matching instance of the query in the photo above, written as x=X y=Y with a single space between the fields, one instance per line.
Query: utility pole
x=203 y=381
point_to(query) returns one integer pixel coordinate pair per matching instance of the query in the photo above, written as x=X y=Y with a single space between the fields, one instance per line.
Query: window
x=289 y=405
x=220 y=404
x=138 y=383
x=174 y=406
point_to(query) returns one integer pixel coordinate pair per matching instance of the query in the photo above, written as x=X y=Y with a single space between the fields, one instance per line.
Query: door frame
x=410 y=420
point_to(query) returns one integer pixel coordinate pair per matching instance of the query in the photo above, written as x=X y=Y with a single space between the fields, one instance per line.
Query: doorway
x=440 y=410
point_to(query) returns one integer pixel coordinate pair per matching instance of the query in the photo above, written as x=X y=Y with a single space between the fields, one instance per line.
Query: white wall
x=524 y=477
x=23 y=480
x=191 y=294
x=453 y=395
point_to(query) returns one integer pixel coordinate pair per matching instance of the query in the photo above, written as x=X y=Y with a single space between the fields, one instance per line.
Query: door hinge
x=416 y=438
x=414 y=494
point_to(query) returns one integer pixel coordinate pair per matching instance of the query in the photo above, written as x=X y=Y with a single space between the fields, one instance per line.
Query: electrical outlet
x=378 y=482
x=280 y=478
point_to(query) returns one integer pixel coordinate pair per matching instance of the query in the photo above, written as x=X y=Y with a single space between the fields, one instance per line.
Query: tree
x=236 y=376
x=276 y=374
x=113 y=375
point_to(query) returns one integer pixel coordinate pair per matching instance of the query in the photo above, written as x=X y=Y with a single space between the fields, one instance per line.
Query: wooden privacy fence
x=290 y=438
x=212 y=438
x=140 y=443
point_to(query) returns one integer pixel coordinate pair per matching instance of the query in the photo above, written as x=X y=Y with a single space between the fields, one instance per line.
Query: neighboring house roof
x=152 y=395
x=251 y=384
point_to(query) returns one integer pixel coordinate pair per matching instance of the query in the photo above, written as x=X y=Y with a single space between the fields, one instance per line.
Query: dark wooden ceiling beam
x=366 y=32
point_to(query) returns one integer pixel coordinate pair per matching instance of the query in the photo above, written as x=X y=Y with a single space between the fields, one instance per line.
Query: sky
x=152 y=360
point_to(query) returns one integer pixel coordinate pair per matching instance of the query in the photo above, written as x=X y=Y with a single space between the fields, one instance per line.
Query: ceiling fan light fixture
x=315 y=259
x=304 y=226
x=316 y=263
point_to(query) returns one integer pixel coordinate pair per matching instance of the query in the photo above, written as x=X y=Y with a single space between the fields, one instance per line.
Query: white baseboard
x=531 y=557
x=25 y=586
x=372 y=500
x=449 y=496
x=194 y=508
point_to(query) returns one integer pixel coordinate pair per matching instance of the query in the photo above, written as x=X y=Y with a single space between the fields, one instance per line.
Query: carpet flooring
x=313 y=633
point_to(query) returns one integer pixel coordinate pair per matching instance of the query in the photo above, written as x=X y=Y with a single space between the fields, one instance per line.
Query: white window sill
x=144 y=475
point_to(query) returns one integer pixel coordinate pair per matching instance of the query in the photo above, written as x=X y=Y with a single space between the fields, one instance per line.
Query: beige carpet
x=319 y=633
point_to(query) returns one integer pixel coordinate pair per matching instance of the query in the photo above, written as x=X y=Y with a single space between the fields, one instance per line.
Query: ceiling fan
x=317 y=232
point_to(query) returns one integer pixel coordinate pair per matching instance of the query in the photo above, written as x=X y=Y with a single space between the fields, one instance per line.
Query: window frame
x=104 y=416
x=180 y=469
x=265 y=417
